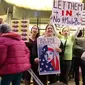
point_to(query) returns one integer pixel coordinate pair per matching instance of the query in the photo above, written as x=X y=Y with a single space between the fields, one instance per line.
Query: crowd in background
x=16 y=57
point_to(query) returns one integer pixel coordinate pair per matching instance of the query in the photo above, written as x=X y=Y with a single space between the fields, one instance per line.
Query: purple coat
x=14 y=55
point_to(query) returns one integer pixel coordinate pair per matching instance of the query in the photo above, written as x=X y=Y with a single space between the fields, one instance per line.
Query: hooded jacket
x=14 y=55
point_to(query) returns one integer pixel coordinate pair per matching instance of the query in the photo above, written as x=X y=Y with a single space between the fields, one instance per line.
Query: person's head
x=65 y=31
x=35 y=31
x=49 y=30
x=5 y=28
x=1 y=20
x=48 y=53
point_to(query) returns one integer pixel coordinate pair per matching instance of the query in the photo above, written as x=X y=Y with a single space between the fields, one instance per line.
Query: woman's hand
x=58 y=50
x=36 y=60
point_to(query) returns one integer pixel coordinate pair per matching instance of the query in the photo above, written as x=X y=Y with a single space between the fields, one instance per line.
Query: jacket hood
x=12 y=35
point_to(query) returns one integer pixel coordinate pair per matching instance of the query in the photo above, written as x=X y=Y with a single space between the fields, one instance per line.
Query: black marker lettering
x=80 y=7
x=54 y=4
x=59 y=5
x=69 y=5
x=75 y=6
x=64 y=4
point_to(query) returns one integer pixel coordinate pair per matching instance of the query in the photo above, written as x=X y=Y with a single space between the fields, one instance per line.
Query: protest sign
x=48 y=56
x=83 y=20
x=67 y=13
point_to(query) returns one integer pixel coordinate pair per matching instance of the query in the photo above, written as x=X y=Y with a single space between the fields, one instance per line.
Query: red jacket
x=14 y=56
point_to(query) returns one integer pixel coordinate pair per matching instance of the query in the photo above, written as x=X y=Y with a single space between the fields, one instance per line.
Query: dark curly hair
x=49 y=25
x=38 y=31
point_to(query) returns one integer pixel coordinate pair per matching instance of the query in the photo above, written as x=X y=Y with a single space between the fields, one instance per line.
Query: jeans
x=14 y=78
x=83 y=71
x=65 y=68
x=52 y=78
x=76 y=65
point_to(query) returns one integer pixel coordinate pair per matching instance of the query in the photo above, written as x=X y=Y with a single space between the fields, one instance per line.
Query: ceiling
x=31 y=4
x=22 y=13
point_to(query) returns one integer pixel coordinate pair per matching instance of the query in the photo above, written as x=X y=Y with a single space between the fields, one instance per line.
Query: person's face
x=34 y=30
x=66 y=31
x=49 y=56
x=49 y=31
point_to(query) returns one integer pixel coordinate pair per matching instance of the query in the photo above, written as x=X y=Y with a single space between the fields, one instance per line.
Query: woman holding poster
x=68 y=41
x=48 y=52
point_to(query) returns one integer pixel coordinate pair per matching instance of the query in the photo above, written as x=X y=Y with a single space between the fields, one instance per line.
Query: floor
x=71 y=82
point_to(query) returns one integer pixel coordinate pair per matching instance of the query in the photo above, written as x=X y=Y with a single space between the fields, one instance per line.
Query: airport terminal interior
x=35 y=12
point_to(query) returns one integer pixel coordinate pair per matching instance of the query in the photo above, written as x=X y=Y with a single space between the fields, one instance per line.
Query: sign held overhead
x=67 y=13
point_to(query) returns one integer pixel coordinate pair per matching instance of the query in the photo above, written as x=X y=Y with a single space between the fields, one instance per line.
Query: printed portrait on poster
x=48 y=57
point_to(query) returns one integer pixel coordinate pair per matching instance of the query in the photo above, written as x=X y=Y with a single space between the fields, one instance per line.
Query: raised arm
x=57 y=33
x=77 y=32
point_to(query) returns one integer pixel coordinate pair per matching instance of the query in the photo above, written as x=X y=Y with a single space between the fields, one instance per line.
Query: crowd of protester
x=17 y=56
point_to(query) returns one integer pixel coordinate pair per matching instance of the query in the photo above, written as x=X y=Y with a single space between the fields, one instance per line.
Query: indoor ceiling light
x=35 y=4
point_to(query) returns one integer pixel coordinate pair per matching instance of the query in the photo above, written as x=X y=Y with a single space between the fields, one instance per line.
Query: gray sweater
x=80 y=42
x=79 y=47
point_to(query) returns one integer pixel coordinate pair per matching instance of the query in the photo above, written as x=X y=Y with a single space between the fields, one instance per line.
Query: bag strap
x=65 y=44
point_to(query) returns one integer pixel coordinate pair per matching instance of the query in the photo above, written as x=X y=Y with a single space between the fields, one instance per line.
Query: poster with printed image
x=21 y=27
x=67 y=13
x=49 y=62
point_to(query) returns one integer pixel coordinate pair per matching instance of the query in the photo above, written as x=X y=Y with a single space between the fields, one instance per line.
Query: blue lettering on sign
x=72 y=21
x=56 y=19
x=66 y=20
